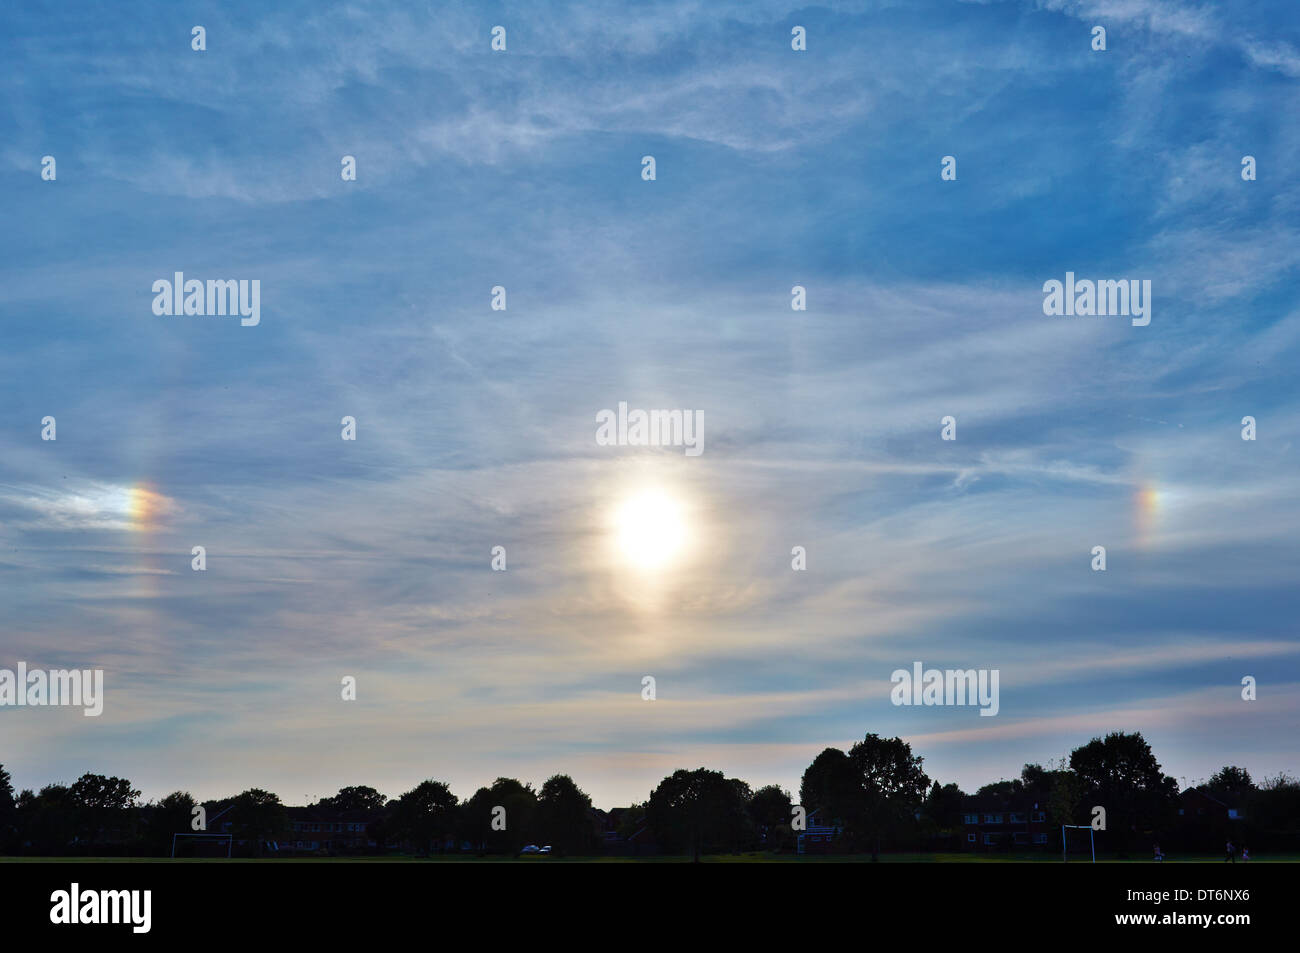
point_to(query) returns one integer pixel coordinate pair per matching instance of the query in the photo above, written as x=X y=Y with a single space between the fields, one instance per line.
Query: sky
x=476 y=427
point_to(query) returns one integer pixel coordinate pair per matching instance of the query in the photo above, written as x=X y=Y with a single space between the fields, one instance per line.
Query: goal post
x=1065 y=849
x=227 y=838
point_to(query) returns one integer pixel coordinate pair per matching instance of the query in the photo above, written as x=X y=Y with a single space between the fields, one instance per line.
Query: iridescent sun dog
x=145 y=506
x=1147 y=503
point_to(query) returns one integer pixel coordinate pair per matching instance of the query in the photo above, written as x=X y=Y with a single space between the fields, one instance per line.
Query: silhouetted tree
x=172 y=815
x=700 y=811
x=1037 y=783
x=97 y=800
x=8 y=811
x=474 y=819
x=632 y=820
x=360 y=798
x=769 y=812
x=1231 y=785
x=890 y=785
x=424 y=815
x=258 y=817
x=1273 y=808
x=1120 y=773
x=943 y=806
x=1004 y=789
x=1064 y=798
x=564 y=818
x=828 y=785
x=1056 y=791
x=46 y=820
x=520 y=803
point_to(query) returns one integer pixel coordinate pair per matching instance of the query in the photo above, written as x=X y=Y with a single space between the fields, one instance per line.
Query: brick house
x=1197 y=803
x=1204 y=822
x=994 y=822
x=341 y=832
x=820 y=834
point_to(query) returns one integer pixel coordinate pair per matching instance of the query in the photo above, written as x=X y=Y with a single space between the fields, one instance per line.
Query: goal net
x=1077 y=843
x=201 y=845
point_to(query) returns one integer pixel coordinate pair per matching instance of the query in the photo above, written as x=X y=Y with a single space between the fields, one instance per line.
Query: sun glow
x=144 y=507
x=650 y=529
x=1154 y=505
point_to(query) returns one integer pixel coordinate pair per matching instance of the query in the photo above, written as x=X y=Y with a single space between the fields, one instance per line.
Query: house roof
x=317 y=813
x=1208 y=796
x=992 y=803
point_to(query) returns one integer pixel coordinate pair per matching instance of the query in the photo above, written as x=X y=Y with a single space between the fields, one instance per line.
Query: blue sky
x=476 y=427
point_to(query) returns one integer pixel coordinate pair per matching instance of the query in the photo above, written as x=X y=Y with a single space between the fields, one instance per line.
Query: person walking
x=1231 y=855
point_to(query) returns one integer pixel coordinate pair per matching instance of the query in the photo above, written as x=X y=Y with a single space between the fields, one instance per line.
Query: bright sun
x=651 y=529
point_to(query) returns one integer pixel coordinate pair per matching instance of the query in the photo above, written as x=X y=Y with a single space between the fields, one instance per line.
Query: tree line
x=876 y=795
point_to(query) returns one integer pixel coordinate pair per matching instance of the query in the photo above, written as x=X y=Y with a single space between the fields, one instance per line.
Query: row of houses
x=321 y=829
x=308 y=830
x=993 y=822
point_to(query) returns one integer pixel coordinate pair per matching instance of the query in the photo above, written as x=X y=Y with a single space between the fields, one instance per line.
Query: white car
x=545 y=850
x=531 y=849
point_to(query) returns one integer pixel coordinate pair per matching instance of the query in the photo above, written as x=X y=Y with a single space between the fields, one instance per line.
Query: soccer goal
x=1065 y=840
x=203 y=845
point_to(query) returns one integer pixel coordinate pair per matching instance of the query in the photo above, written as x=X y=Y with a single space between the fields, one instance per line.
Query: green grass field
x=750 y=858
